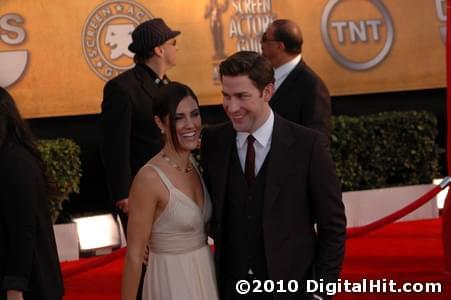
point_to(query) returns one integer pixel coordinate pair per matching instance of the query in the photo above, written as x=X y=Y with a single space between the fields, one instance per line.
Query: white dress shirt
x=262 y=144
x=282 y=72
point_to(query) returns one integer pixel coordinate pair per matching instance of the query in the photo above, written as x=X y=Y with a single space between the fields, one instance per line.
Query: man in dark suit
x=278 y=213
x=129 y=135
x=300 y=94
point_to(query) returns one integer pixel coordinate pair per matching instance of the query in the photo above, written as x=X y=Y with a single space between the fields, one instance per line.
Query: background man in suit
x=129 y=135
x=300 y=95
x=271 y=181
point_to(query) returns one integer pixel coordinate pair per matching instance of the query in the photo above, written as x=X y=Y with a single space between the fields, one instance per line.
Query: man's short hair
x=289 y=33
x=250 y=63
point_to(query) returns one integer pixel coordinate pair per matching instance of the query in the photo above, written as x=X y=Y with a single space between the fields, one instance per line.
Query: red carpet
x=97 y=284
x=404 y=252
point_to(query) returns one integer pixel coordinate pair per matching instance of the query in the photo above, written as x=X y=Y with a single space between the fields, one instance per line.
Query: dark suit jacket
x=28 y=255
x=303 y=98
x=129 y=136
x=301 y=189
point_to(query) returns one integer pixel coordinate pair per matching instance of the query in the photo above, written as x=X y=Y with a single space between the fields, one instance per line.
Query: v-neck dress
x=180 y=265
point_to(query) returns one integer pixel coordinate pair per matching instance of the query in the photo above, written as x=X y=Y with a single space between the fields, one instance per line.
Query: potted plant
x=62 y=157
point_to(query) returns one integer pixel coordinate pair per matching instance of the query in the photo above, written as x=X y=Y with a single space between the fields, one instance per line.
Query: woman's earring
x=162 y=131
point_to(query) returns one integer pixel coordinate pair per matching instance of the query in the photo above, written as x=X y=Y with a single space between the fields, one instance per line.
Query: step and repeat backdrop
x=55 y=56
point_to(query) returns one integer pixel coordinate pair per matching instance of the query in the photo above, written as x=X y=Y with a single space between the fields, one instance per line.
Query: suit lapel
x=287 y=84
x=280 y=163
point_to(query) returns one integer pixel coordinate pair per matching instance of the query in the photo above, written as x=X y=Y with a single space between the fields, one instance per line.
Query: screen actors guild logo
x=12 y=63
x=118 y=37
x=214 y=11
x=348 y=36
x=248 y=22
x=107 y=34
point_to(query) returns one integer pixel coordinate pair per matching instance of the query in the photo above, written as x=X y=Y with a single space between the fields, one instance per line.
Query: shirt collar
x=286 y=67
x=262 y=135
x=154 y=75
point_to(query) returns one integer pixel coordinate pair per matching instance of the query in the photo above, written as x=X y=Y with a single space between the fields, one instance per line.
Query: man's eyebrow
x=235 y=94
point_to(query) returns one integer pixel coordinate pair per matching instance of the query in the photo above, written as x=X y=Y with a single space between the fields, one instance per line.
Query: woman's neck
x=180 y=158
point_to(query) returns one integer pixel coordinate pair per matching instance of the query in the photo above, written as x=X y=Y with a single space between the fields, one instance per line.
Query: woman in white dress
x=168 y=209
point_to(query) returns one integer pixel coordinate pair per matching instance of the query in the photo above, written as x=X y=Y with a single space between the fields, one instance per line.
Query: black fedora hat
x=150 y=34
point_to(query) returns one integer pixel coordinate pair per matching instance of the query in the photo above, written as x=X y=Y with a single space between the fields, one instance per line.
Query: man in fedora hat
x=128 y=135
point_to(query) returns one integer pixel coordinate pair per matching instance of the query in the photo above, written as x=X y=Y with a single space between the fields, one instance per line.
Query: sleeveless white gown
x=180 y=265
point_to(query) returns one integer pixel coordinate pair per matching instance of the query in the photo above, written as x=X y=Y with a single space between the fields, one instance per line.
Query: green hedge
x=62 y=157
x=386 y=149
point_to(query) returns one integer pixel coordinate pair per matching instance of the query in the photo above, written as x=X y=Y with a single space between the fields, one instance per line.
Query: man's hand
x=123 y=205
x=14 y=295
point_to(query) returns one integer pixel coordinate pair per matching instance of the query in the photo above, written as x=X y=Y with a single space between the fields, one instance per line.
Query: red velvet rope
x=448 y=102
x=359 y=231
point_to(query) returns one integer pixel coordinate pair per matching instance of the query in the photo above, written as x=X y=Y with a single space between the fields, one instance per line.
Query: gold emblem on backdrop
x=107 y=34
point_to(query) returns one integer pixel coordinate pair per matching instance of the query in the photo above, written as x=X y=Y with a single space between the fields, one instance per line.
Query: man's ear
x=158 y=51
x=281 y=46
x=268 y=91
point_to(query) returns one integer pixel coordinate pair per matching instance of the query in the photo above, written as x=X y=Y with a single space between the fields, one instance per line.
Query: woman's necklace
x=188 y=169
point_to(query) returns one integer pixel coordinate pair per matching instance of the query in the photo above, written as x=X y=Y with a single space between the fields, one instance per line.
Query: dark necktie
x=249 y=166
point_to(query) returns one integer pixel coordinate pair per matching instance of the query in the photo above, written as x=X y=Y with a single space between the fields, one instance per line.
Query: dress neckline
x=171 y=186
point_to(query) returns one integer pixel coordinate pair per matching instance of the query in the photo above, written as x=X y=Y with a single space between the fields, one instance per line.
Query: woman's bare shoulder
x=148 y=178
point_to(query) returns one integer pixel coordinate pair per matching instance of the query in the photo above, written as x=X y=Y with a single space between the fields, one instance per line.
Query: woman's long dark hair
x=13 y=129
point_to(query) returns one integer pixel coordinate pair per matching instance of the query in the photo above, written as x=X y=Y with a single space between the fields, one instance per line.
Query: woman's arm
x=142 y=205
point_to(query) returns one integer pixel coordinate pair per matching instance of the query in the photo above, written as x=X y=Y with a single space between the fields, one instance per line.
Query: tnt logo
x=12 y=63
x=440 y=6
x=107 y=34
x=359 y=42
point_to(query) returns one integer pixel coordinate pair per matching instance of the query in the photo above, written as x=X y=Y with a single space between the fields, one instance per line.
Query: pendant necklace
x=188 y=169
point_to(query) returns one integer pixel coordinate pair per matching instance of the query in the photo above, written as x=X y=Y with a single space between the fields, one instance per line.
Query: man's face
x=170 y=51
x=244 y=104
x=270 y=47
